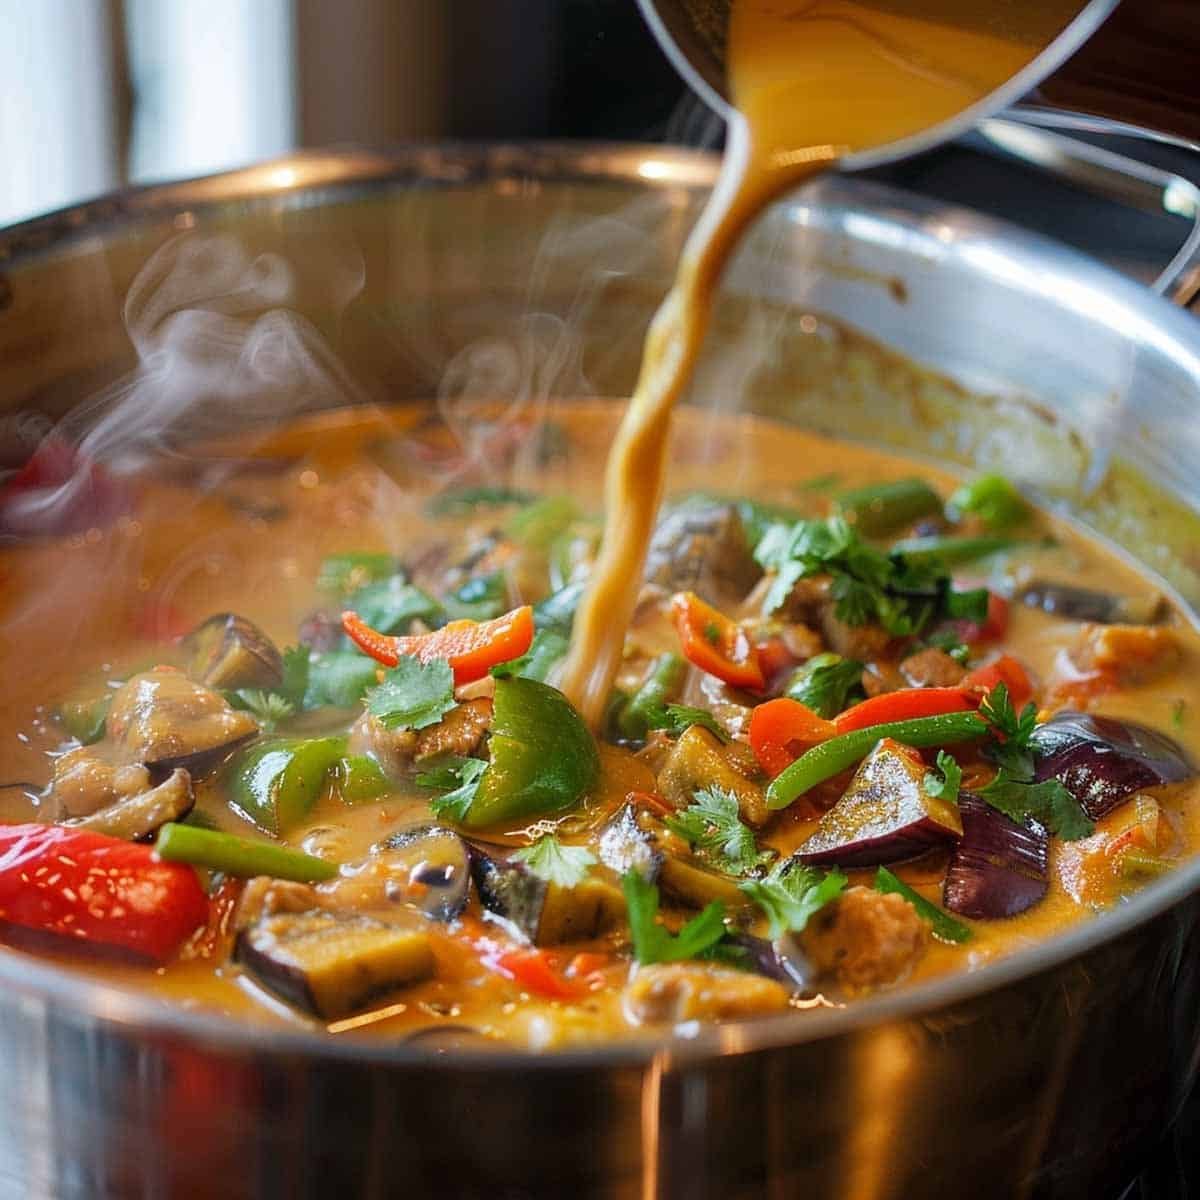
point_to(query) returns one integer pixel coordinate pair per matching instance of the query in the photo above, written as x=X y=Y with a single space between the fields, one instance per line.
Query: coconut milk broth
x=316 y=487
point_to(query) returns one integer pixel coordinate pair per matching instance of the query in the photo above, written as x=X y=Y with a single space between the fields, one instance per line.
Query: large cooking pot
x=532 y=271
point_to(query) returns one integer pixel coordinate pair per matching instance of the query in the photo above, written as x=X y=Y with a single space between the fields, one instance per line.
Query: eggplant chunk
x=547 y=913
x=1083 y=604
x=668 y=993
x=333 y=964
x=426 y=865
x=698 y=761
x=865 y=939
x=624 y=846
x=163 y=719
x=138 y=816
x=885 y=815
x=703 y=550
x=227 y=651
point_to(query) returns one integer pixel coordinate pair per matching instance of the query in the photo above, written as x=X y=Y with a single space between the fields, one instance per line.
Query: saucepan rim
x=27 y=980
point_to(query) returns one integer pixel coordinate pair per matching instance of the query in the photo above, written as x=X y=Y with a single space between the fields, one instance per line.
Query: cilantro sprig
x=461 y=777
x=944 y=782
x=712 y=824
x=551 y=861
x=827 y=683
x=676 y=719
x=269 y=706
x=792 y=894
x=1011 y=750
x=413 y=694
x=652 y=943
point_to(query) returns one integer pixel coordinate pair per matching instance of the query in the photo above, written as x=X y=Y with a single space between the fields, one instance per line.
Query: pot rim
x=89 y=1001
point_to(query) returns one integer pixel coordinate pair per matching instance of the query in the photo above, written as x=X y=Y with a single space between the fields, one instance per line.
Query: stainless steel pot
x=1045 y=1074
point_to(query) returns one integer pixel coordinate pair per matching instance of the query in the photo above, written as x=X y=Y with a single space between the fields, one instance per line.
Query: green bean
x=949 y=551
x=880 y=508
x=829 y=758
x=945 y=927
x=238 y=856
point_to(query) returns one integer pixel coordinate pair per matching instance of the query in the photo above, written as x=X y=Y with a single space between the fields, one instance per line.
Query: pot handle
x=1032 y=134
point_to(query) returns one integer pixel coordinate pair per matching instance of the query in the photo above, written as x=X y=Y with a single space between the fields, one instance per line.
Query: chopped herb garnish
x=791 y=894
x=945 y=927
x=553 y=862
x=946 y=780
x=1049 y=803
x=339 y=678
x=346 y=573
x=712 y=824
x=827 y=683
x=677 y=719
x=651 y=942
x=413 y=695
x=461 y=501
x=461 y=776
x=391 y=605
x=269 y=706
x=1011 y=750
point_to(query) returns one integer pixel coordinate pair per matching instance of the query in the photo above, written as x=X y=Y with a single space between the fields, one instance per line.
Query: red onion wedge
x=885 y=815
x=999 y=867
x=1102 y=761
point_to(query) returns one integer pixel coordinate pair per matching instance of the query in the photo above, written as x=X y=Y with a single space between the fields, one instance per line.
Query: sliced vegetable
x=275 y=783
x=243 y=857
x=698 y=760
x=998 y=868
x=662 y=683
x=829 y=758
x=97 y=889
x=905 y=705
x=332 y=964
x=1136 y=864
x=537 y=525
x=885 y=815
x=460 y=776
x=714 y=643
x=1102 y=761
x=553 y=862
x=826 y=684
x=792 y=893
x=359 y=779
x=1003 y=670
x=651 y=942
x=392 y=605
x=677 y=719
x=228 y=651
x=945 y=927
x=1048 y=802
x=1083 y=604
x=949 y=551
x=548 y=649
x=781 y=730
x=469 y=647
x=543 y=759
x=138 y=816
x=430 y=866
x=880 y=508
x=536 y=972
x=991 y=498
x=84 y=719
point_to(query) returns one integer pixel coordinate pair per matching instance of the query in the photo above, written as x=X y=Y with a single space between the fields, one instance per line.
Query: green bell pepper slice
x=543 y=759
x=359 y=779
x=275 y=783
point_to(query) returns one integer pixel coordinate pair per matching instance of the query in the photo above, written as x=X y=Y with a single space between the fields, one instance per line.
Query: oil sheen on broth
x=812 y=81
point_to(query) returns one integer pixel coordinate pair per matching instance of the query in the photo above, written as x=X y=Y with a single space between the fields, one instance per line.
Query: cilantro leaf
x=461 y=776
x=413 y=695
x=677 y=719
x=346 y=573
x=295 y=675
x=826 y=684
x=553 y=862
x=713 y=826
x=945 y=782
x=1049 y=803
x=267 y=707
x=339 y=678
x=391 y=605
x=1012 y=754
x=792 y=894
x=945 y=927
x=651 y=942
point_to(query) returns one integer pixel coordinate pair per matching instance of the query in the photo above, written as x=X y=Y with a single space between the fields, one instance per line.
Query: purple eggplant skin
x=884 y=816
x=1082 y=604
x=998 y=869
x=1102 y=761
x=509 y=889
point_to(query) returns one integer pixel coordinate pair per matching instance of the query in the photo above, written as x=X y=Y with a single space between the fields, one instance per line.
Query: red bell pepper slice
x=714 y=643
x=1005 y=670
x=534 y=970
x=98 y=889
x=471 y=648
x=991 y=629
x=781 y=730
x=905 y=705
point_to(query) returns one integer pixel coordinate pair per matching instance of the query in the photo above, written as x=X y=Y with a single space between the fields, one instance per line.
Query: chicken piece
x=393 y=749
x=703 y=550
x=698 y=761
x=668 y=993
x=162 y=717
x=1132 y=654
x=932 y=667
x=866 y=939
x=862 y=642
x=880 y=677
x=459 y=732
x=86 y=781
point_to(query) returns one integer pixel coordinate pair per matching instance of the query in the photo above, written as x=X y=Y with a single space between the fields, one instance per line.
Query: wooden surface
x=1142 y=66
